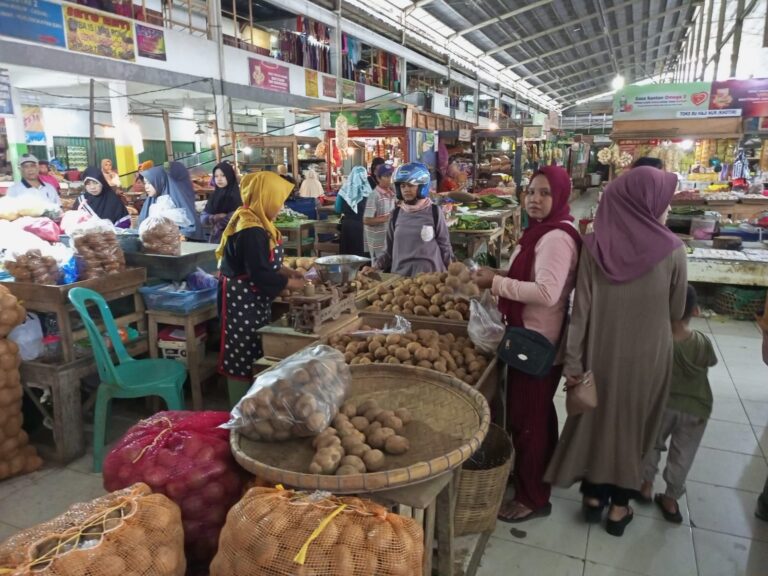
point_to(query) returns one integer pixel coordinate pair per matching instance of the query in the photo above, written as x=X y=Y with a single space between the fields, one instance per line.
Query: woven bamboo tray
x=450 y=421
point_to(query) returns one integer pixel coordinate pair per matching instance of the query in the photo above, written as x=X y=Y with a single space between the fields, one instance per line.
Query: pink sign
x=748 y=96
x=268 y=76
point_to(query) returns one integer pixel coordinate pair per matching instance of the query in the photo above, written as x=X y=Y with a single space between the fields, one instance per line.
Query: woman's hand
x=367 y=269
x=573 y=380
x=483 y=277
x=295 y=284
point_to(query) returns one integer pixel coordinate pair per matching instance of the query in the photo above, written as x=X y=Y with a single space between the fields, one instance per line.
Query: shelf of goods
x=268 y=152
x=62 y=379
x=746 y=267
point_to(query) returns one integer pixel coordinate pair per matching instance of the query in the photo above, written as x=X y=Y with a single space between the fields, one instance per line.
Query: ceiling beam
x=501 y=18
x=595 y=39
x=417 y=4
x=550 y=31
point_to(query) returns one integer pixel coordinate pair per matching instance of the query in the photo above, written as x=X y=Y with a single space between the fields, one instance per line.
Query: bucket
x=703 y=227
x=482 y=484
x=595 y=179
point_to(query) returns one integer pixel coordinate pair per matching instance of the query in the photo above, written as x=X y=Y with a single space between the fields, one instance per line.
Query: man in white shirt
x=31 y=185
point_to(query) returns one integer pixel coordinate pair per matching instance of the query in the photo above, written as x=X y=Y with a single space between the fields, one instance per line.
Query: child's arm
x=707 y=356
x=765 y=347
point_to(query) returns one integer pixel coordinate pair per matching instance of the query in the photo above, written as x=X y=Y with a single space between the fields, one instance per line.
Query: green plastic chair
x=130 y=378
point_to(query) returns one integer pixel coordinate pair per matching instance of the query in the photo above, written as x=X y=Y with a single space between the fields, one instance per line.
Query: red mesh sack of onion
x=186 y=456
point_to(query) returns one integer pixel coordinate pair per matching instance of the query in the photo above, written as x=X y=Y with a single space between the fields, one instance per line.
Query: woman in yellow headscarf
x=252 y=275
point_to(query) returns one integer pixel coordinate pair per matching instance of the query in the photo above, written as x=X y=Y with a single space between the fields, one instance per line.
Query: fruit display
x=298 y=397
x=439 y=295
x=360 y=437
x=281 y=532
x=132 y=531
x=185 y=456
x=446 y=353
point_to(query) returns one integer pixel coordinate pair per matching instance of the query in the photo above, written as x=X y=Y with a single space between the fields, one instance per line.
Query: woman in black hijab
x=375 y=163
x=223 y=202
x=101 y=199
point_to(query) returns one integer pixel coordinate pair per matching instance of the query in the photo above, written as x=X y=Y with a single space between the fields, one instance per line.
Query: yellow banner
x=99 y=34
x=310 y=84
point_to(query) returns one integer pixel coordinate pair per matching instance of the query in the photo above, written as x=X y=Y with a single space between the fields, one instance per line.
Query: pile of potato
x=301 y=264
x=128 y=532
x=446 y=353
x=266 y=530
x=359 y=438
x=16 y=455
x=439 y=295
x=33 y=267
x=298 y=397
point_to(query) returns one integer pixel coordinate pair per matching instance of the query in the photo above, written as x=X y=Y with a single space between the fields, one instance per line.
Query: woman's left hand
x=483 y=277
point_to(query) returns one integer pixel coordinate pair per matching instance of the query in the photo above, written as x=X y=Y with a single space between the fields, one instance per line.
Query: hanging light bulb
x=505 y=145
x=618 y=82
x=493 y=126
x=188 y=112
x=247 y=150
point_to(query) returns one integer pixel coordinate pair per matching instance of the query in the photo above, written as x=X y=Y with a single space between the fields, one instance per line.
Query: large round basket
x=450 y=421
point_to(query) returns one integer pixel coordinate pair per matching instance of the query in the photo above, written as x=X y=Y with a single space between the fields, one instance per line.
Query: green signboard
x=662 y=101
x=369 y=119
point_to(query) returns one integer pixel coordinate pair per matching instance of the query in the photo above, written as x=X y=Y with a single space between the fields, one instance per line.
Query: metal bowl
x=341 y=269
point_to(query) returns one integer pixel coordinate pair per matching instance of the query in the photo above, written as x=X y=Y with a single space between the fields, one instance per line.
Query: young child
x=686 y=413
x=762 y=501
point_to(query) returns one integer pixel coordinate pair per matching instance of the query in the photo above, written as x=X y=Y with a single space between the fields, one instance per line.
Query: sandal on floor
x=675 y=517
x=616 y=527
x=592 y=514
x=542 y=512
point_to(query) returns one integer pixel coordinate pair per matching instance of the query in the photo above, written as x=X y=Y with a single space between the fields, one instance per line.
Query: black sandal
x=616 y=527
x=592 y=514
x=675 y=517
x=542 y=512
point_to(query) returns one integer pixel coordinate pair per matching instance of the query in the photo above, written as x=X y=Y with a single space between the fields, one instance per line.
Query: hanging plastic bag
x=44 y=228
x=486 y=328
x=29 y=337
x=165 y=207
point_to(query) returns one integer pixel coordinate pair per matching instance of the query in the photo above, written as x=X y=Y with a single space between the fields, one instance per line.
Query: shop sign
x=465 y=135
x=33 y=124
x=348 y=90
x=329 y=86
x=661 y=101
x=310 y=84
x=532 y=132
x=6 y=103
x=359 y=93
x=268 y=76
x=92 y=32
x=150 y=42
x=35 y=20
x=747 y=97
x=371 y=119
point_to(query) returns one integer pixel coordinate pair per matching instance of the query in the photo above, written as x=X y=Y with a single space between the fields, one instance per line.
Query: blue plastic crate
x=163 y=297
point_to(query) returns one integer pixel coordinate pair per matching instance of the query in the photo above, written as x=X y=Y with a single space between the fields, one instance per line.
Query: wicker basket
x=450 y=421
x=482 y=484
x=738 y=302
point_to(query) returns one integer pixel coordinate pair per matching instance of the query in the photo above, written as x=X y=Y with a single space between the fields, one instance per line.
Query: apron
x=243 y=311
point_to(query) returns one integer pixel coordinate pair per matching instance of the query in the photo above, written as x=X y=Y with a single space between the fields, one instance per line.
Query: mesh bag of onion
x=274 y=532
x=125 y=533
x=186 y=456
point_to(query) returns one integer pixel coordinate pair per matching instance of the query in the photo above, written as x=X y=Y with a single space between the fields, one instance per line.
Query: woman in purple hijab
x=630 y=285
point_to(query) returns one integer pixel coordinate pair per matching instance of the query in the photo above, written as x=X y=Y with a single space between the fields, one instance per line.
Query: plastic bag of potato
x=298 y=397
x=270 y=532
x=127 y=533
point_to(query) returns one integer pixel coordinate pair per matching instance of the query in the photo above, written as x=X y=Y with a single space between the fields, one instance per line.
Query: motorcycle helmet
x=413 y=173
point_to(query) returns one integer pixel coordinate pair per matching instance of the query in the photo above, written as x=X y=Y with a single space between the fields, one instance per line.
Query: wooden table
x=297 y=236
x=476 y=239
x=329 y=226
x=199 y=369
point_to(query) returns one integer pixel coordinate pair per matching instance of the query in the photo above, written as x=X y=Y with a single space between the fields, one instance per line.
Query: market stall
x=297 y=153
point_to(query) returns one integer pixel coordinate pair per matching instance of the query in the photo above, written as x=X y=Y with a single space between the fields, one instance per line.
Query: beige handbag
x=582 y=397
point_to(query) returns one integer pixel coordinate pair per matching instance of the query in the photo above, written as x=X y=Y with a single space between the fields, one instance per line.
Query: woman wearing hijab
x=372 y=179
x=101 y=199
x=252 y=275
x=535 y=294
x=223 y=202
x=110 y=176
x=311 y=187
x=350 y=203
x=631 y=284
x=176 y=184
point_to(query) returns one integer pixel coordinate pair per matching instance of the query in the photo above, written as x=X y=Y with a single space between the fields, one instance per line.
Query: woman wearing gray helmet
x=417 y=236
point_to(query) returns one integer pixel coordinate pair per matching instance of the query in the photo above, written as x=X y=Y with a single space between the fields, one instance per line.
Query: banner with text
x=329 y=87
x=150 y=42
x=33 y=124
x=747 y=98
x=311 y=88
x=268 y=76
x=99 y=34
x=662 y=101
x=34 y=20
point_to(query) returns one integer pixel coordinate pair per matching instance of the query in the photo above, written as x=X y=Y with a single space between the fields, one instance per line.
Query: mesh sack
x=186 y=456
x=298 y=397
x=160 y=235
x=125 y=533
x=273 y=532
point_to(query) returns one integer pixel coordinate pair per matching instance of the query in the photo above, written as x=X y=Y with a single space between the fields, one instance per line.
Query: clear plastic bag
x=29 y=337
x=165 y=208
x=486 y=328
x=160 y=235
x=400 y=325
x=34 y=265
x=97 y=249
x=299 y=397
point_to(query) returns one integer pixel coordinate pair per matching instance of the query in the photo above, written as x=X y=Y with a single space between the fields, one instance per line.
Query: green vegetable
x=468 y=222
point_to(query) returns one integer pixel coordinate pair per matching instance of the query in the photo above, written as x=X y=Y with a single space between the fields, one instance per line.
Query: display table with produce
x=746 y=267
x=474 y=241
x=298 y=235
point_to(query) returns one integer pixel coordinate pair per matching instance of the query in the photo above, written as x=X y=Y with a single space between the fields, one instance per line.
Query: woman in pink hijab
x=630 y=285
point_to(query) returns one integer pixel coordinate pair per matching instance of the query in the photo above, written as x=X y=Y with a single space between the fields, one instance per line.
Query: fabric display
x=296 y=47
x=384 y=70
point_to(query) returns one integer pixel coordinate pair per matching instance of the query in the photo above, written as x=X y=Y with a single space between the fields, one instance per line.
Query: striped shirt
x=380 y=202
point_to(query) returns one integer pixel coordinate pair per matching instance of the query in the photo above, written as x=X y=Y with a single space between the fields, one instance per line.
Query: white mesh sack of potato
x=130 y=532
x=298 y=397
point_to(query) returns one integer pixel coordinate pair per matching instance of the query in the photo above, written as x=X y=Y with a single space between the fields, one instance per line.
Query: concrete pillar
x=403 y=75
x=125 y=133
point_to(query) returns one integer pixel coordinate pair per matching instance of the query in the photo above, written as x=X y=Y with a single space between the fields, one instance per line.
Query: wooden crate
x=422 y=321
x=279 y=341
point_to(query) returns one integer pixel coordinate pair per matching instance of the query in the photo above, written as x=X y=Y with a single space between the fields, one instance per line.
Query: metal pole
x=699 y=33
x=689 y=59
x=92 y=141
x=168 y=145
x=339 y=60
x=216 y=123
x=737 y=36
x=707 y=34
x=720 y=29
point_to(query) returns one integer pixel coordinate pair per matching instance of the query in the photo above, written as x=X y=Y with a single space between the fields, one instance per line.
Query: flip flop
x=542 y=512
x=675 y=517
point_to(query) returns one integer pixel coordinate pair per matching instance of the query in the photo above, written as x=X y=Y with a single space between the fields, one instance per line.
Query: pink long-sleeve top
x=547 y=294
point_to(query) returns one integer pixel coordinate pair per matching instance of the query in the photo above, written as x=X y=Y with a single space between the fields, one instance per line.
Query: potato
x=379 y=437
x=420 y=311
x=315 y=467
x=373 y=346
x=425 y=364
x=396 y=445
x=392 y=360
x=402 y=354
x=367 y=405
x=372 y=414
x=393 y=339
x=429 y=290
x=354 y=461
x=352 y=440
x=456 y=268
x=372 y=428
x=440 y=366
x=358 y=449
x=374 y=460
x=393 y=422
x=360 y=422
x=327 y=464
x=435 y=310
x=412 y=347
x=381 y=353
x=326 y=440
x=384 y=414
x=404 y=414
x=346 y=471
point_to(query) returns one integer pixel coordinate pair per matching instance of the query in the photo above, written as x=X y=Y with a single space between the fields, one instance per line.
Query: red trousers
x=532 y=422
